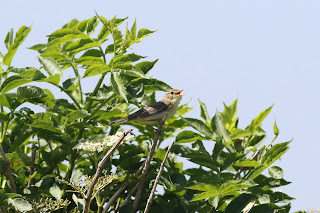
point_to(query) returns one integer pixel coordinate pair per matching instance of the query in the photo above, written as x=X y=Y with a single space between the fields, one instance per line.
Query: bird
x=155 y=112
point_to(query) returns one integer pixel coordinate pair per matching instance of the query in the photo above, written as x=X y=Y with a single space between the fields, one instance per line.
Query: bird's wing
x=150 y=110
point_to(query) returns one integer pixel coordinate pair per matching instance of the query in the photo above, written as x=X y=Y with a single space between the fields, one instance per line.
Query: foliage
x=51 y=170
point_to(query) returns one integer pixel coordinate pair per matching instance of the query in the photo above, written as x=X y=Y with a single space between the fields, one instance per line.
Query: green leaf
x=3 y=116
x=19 y=38
x=128 y=69
x=30 y=92
x=275 y=153
x=72 y=116
x=264 y=198
x=232 y=186
x=45 y=125
x=203 y=187
x=151 y=84
x=81 y=44
x=214 y=201
x=205 y=195
x=89 y=60
x=275 y=128
x=239 y=203
x=93 y=52
x=20 y=204
x=256 y=172
x=204 y=112
x=146 y=66
x=118 y=86
x=143 y=33
x=247 y=163
x=92 y=24
x=38 y=47
x=275 y=172
x=239 y=133
x=128 y=58
x=9 y=39
x=258 y=120
x=218 y=125
x=199 y=126
x=55 y=191
x=187 y=136
x=70 y=84
x=96 y=69
x=13 y=82
x=51 y=66
x=202 y=160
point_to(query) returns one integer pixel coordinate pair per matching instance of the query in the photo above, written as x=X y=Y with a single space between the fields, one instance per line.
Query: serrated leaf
x=128 y=58
x=217 y=123
x=89 y=60
x=38 y=47
x=118 y=86
x=96 y=70
x=204 y=112
x=204 y=195
x=275 y=128
x=151 y=84
x=239 y=133
x=256 y=172
x=187 y=136
x=203 y=187
x=81 y=44
x=128 y=69
x=143 y=33
x=247 y=163
x=13 y=82
x=258 y=120
x=9 y=39
x=77 y=114
x=51 y=66
x=275 y=152
x=146 y=66
x=199 y=126
x=92 y=24
x=275 y=172
x=231 y=186
x=30 y=92
x=20 y=204
x=45 y=125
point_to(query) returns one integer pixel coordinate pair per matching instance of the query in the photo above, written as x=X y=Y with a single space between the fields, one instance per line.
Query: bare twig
x=149 y=202
x=130 y=194
x=33 y=158
x=118 y=204
x=147 y=164
x=99 y=169
x=7 y=165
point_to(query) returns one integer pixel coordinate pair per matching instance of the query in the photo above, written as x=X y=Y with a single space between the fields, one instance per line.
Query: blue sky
x=264 y=52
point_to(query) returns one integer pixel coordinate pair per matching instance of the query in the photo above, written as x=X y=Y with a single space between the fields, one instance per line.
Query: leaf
x=203 y=187
x=151 y=84
x=128 y=58
x=239 y=203
x=13 y=82
x=20 y=204
x=45 y=125
x=199 y=126
x=9 y=39
x=118 y=86
x=275 y=153
x=232 y=186
x=187 y=136
x=205 y=195
x=93 y=52
x=146 y=66
x=247 y=163
x=143 y=33
x=239 y=133
x=55 y=191
x=258 y=120
x=89 y=60
x=38 y=47
x=19 y=38
x=96 y=69
x=275 y=172
x=81 y=44
x=256 y=172
x=31 y=92
x=218 y=125
x=51 y=66
x=202 y=160
x=275 y=128
x=77 y=114
x=92 y=24
x=204 y=112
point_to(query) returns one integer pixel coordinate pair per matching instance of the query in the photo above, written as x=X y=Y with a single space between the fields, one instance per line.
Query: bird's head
x=174 y=95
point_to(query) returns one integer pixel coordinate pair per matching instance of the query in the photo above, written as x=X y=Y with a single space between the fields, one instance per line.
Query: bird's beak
x=179 y=93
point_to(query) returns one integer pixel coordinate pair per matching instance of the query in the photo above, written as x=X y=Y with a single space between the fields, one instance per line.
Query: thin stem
x=76 y=72
x=103 y=55
x=89 y=104
x=7 y=165
x=33 y=158
x=149 y=202
x=114 y=197
x=99 y=170
x=147 y=164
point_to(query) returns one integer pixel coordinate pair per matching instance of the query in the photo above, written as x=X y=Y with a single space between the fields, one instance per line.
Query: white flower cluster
x=99 y=144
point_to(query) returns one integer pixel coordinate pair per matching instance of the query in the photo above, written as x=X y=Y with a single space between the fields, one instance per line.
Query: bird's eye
x=172 y=93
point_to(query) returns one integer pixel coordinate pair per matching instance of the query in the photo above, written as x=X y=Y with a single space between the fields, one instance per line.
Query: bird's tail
x=121 y=120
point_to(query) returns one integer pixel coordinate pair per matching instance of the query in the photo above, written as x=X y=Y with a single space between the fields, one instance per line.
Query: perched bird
x=155 y=112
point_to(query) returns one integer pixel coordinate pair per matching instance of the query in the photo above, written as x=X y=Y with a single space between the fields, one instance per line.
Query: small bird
x=155 y=112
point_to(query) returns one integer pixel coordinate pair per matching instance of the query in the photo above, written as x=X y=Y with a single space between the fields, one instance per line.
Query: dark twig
x=149 y=202
x=33 y=158
x=243 y=168
x=147 y=164
x=99 y=169
x=7 y=165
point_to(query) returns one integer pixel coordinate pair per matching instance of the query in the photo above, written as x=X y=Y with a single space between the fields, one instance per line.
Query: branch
x=147 y=164
x=243 y=168
x=33 y=158
x=7 y=165
x=99 y=169
x=149 y=202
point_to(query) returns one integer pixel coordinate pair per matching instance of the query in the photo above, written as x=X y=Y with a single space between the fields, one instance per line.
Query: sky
x=263 y=52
